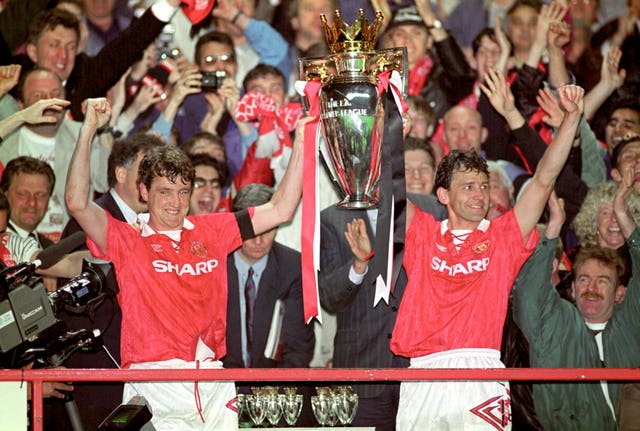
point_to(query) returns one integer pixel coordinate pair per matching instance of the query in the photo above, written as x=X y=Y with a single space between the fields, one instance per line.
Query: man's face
x=486 y=56
x=463 y=129
x=42 y=85
x=418 y=171
x=206 y=192
x=218 y=56
x=55 y=50
x=271 y=86
x=467 y=199
x=500 y=196
x=414 y=37
x=521 y=28
x=609 y=234
x=127 y=188
x=583 y=12
x=621 y=122
x=629 y=158
x=596 y=290
x=168 y=203
x=98 y=8
x=307 y=22
x=255 y=248
x=28 y=197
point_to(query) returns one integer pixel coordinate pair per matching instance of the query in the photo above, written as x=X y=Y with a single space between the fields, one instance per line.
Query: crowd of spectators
x=494 y=88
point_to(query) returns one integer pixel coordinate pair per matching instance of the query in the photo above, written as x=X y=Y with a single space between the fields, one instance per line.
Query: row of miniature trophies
x=266 y=405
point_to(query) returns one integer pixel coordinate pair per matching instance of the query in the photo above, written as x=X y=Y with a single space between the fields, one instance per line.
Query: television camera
x=29 y=329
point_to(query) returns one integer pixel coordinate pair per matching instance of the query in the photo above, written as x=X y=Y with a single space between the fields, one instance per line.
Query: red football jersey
x=170 y=296
x=458 y=298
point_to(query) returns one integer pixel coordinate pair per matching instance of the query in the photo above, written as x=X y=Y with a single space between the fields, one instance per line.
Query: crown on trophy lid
x=358 y=37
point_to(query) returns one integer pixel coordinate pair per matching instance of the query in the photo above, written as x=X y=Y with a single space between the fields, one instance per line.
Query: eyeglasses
x=227 y=57
x=201 y=182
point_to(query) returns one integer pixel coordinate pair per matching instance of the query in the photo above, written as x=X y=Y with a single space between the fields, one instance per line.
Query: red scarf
x=418 y=75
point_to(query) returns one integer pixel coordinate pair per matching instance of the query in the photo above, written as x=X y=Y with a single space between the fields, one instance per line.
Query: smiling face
x=55 y=50
x=621 y=122
x=609 y=234
x=28 y=196
x=414 y=37
x=629 y=158
x=206 y=192
x=463 y=129
x=269 y=85
x=486 y=56
x=467 y=199
x=419 y=172
x=168 y=203
x=596 y=290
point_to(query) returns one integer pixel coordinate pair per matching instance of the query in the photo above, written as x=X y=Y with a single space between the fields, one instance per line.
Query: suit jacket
x=96 y=400
x=281 y=280
x=363 y=332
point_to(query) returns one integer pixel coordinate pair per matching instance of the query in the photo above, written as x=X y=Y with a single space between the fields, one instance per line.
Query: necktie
x=249 y=300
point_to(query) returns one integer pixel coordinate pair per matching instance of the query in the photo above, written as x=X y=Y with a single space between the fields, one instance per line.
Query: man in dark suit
x=276 y=276
x=96 y=400
x=347 y=288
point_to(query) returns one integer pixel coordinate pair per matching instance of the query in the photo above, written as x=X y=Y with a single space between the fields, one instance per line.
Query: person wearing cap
x=442 y=75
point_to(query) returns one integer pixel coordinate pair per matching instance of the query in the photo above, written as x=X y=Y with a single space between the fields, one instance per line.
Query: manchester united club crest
x=198 y=248
x=481 y=247
x=157 y=248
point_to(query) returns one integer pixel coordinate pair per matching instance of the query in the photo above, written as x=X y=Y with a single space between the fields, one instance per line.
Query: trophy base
x=350 y=203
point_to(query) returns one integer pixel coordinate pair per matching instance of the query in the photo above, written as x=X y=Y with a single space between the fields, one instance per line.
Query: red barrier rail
x=37 y=377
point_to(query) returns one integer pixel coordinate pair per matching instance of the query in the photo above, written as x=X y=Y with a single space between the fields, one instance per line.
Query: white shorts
x=179 y=405
x=455 y=405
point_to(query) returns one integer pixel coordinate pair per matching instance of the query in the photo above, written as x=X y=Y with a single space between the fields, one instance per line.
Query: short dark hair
x=50 y=19
x=417 y=144
x=26 y=75
x=477 y=41
x=459 y=161
x=251 y=195
x=629 y=138
x=207 y=160
x=26 y=165
x=168 y=162
x=212 y=36
x=533 y=4
x=125 y=151
x=203 y=136
x=261 y=71
x=608 y=257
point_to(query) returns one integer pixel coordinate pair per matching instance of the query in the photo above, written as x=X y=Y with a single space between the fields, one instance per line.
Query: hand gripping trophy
x=351 y=81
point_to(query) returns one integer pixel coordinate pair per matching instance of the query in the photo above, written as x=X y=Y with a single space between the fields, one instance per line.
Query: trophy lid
x=358 y=37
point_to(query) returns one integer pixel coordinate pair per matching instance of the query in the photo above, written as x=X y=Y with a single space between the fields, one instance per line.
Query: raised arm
x=89 y=215
x=285 y=200
x=620 y=202
x=535 y=195
x=33 y=114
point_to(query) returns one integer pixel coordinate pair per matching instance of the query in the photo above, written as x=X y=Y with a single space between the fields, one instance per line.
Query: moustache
x=591 y=295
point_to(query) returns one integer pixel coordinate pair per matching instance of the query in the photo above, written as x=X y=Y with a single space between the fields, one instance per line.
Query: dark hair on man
x=203 y=136
x=533 y=4
x=50 y=19
x=606 y=256
x=631 y=103
x=4 y=202
x=207 y=160
x=125 y=152
x=26 y=165
x=261 y=71
x=25 y=75
x=629 y=138
x=251 y=195
x=458 y=161
x=477 y=41
x=168 y=162
x=417 y=144
x=213 y=36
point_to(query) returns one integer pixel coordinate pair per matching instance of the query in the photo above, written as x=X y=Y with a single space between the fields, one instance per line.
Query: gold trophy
x=351 y=112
